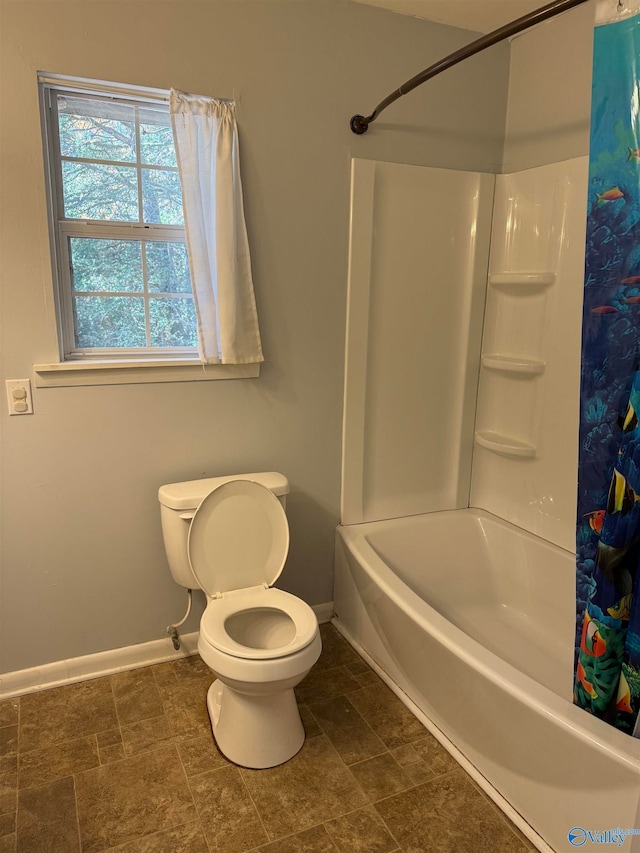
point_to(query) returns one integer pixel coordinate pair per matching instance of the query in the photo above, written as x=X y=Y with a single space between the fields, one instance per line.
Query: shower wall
x=525 y=454
x=539 y=226
x=417 y=276
x=423 y=394
x=452 y=399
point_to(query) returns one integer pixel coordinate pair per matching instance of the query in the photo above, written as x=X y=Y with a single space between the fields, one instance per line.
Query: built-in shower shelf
x=511 y=364
x=505 y=445
x=524 y=280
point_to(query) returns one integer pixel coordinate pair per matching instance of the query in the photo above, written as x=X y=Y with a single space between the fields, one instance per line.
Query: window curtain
x=206 y=141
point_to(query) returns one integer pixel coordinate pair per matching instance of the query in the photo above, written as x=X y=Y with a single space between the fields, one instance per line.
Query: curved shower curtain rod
x=360 y=124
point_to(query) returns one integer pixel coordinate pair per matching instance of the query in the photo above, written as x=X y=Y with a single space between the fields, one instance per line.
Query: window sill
x=130 y=372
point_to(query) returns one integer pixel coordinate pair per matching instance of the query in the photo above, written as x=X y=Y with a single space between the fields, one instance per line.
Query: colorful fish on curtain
x=607 y=660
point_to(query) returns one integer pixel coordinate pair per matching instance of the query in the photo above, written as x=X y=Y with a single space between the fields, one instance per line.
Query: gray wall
x=83 y=566
x=549 y=107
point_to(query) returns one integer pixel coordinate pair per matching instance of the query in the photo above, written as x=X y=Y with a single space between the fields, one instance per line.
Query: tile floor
x=127 y=763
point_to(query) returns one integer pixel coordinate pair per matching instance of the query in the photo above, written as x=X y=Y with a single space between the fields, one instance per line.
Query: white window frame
x=95 y=366
x=68 y=228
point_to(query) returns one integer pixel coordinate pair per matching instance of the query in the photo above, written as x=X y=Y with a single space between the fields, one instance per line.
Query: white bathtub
x=472 y=618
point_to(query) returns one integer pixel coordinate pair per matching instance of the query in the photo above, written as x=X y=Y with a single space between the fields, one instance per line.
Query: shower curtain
x=607 y=659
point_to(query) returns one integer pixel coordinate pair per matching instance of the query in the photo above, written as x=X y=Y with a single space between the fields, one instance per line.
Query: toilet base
x=256 y=731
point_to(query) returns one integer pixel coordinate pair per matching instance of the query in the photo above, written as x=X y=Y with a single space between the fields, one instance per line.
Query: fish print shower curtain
x=607 y=660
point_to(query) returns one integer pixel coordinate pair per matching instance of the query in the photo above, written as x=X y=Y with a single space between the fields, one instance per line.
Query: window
x=123 y=287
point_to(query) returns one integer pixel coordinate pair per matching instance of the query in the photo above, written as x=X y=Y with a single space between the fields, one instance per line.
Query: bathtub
x=470 y=620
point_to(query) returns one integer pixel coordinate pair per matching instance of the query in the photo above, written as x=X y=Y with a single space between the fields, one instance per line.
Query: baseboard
x=324 y=612
x=107 y=663
x=94 y=666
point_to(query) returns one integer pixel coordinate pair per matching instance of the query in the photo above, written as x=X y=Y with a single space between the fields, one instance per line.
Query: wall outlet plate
x=19 y=399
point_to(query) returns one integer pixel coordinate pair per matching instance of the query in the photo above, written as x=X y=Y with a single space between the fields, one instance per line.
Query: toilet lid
x=238 y=538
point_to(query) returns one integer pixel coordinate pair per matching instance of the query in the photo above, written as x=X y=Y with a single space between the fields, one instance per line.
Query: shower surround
x=455 y=565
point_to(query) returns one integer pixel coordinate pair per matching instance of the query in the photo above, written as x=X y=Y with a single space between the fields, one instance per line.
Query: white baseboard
x=324 y=612
x=106 y=663
x=94 y=666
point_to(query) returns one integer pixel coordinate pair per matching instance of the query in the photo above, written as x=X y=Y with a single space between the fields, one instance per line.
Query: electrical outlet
x=19 y=397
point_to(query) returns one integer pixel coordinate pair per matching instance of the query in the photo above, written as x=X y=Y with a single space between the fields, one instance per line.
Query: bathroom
x=83 y=565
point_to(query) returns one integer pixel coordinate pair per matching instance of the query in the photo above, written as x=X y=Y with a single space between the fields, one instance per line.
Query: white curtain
x=206 y=141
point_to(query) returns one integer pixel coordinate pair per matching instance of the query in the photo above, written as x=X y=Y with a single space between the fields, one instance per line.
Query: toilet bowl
x=259 y=641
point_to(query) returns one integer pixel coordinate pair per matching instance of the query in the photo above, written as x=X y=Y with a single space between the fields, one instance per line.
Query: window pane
x=167 y=268
x=118 y=168
x=162 y=197
x=156 y=142
x=93 y=191
x=173 y=322
x=109 y=321
x=105 y=265
x=96 y=129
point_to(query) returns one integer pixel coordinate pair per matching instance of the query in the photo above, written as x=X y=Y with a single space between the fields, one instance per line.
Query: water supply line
x=360 y=124
x=172 y=630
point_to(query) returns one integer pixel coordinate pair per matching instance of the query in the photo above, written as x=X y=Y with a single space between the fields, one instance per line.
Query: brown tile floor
x=127 y=763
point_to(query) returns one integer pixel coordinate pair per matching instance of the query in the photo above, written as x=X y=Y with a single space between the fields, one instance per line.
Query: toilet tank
x=178 y=503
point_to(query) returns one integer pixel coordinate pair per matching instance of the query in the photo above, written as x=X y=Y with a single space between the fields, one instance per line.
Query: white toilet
x=229 y=537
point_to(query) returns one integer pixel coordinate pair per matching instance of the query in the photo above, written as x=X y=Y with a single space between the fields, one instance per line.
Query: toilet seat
x=237 y=544
x=238 y=538
x=303 y=625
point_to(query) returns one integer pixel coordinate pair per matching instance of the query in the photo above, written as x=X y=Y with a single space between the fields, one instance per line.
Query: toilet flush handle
x=188 y=515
